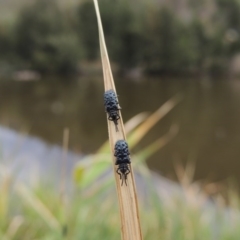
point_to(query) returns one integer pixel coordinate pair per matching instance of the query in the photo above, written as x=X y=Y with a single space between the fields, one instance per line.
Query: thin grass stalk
x=128 y=203
x=63 y=194
x=64 y=166
x=157 y=145
x=38 y=206
x=13 y=227
x=141 y=131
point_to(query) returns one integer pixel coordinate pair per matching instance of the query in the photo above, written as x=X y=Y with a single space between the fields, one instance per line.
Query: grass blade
x=127 y=196
x=158 y=144
x=38 y=206
x=141 y=131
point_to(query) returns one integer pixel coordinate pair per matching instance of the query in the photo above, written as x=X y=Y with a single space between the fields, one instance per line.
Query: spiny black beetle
x=111 y=106
x=122 y=159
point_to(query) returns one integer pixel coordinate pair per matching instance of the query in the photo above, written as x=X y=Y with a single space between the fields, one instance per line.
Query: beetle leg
x=128 y=171
x=119 y=173
x=125 y=178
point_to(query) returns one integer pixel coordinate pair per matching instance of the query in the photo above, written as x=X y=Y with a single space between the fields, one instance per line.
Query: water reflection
x=208 y=117
x=30 y=159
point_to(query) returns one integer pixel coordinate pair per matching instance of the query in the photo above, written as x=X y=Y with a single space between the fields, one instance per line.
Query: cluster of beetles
x=121 y=151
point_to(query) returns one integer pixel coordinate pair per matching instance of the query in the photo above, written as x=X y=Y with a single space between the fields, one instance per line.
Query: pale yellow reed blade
x=141 y=131
x=127 y=196
x=157 y=145
x=132 y=123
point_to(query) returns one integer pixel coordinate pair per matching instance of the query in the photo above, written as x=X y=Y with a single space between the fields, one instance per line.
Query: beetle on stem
x=122 y=159
x=112 y=107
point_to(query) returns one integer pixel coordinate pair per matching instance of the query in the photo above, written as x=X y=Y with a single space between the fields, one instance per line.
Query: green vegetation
x=91 y=212
x=52 y=39
x=39 y=214
x=45 y=41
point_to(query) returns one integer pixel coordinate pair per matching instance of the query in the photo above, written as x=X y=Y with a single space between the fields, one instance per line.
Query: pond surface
x=208 y=117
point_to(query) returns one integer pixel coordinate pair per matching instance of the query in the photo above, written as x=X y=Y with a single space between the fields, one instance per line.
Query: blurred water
x=31 y=160
x=208 y=117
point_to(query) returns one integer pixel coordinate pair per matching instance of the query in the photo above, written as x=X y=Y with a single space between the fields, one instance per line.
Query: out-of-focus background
x=158 y=49
x=51 y=83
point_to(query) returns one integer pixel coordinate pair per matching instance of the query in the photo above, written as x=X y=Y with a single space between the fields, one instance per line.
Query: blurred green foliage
x=45 y=40
x=88 y=30
x=169 y=45
x=90 y=211
x=51 y=39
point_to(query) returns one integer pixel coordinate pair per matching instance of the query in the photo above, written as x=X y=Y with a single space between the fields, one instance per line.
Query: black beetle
x=111 y=106
x=122 y=159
